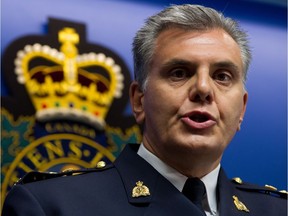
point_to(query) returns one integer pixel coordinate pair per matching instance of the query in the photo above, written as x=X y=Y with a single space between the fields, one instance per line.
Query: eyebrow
x=177 y=62
x=220 y=64
x=227 y=64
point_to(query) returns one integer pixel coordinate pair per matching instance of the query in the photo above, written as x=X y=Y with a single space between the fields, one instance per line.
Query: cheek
x=154 y=106
x=160 y=106
x=231 y=111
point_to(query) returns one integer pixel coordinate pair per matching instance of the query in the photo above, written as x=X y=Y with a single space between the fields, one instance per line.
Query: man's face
x=194 y=100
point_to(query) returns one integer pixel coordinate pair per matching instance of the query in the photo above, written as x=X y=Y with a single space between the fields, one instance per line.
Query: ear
x=137 y=102
x=245 y=99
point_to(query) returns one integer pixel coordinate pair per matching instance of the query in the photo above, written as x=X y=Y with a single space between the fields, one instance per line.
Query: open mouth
x=199 y=120
x=199 y=117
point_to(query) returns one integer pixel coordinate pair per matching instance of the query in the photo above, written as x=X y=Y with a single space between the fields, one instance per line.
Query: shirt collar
x=178 y=180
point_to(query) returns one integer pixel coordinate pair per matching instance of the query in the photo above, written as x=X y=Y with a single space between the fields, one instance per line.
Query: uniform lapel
x=168 y=201
x=132 y=168
x=226 y=191
x=164 y=198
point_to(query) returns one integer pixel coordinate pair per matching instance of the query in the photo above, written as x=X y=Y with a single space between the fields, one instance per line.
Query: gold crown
x=66 y=89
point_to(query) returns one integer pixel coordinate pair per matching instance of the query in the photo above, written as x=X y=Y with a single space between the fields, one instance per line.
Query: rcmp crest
x=66 y=104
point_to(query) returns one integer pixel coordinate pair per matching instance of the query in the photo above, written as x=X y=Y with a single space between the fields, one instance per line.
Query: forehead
x=208 y=45
x=209 y=36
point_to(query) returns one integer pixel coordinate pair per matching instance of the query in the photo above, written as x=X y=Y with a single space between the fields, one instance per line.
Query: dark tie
x=194 y=190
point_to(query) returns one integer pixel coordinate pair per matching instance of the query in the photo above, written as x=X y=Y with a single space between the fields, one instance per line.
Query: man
x=189 y=94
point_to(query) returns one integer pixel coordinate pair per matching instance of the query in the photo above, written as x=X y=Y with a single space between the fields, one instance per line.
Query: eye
x=178 y=74
x=223 y=77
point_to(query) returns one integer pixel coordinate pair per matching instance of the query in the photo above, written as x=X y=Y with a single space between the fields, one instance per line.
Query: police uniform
x=131 y=186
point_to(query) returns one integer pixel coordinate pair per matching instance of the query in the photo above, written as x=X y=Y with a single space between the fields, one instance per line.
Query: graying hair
x=187 y=17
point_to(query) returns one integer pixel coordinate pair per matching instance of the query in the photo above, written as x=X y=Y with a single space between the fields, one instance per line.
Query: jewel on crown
x=65 y=88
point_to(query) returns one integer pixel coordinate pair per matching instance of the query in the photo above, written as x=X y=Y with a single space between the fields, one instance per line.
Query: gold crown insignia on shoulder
x=67 y=89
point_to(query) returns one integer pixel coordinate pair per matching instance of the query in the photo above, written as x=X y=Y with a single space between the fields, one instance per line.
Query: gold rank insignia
x=239 y=205
x=238 y=180
x=140 y=190
x=271 y=187
x=101 y=164
x=284 y=192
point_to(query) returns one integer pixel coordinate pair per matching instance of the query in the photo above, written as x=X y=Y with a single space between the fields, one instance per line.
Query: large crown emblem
x=67 y=89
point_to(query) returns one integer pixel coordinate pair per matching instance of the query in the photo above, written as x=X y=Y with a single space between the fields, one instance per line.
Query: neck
x=187 y=163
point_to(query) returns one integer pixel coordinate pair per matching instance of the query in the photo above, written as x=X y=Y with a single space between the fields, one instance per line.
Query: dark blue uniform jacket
x=108 y=192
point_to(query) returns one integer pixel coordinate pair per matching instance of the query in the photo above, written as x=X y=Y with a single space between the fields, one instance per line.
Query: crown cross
x=69 y=38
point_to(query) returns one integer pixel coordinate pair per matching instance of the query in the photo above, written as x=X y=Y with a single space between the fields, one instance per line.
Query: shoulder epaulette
x=267 y=189
x=39 y=176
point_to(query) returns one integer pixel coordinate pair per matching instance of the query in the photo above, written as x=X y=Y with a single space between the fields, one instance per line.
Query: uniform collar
x=132 y=168
x=178 y=180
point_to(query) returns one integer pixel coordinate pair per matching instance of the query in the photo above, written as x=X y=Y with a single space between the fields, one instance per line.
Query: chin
x=202 y=146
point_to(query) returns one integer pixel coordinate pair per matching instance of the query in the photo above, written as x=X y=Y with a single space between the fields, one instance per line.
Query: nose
x=201 y=90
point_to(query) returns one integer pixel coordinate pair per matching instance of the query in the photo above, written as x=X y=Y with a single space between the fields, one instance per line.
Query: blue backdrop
x=259 y=151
